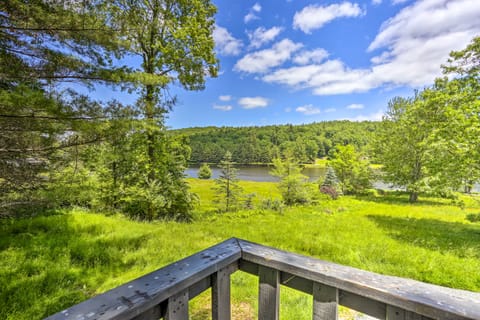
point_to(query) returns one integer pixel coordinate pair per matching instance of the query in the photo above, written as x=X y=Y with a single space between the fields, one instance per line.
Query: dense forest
x=60 y=148
x=263 y=144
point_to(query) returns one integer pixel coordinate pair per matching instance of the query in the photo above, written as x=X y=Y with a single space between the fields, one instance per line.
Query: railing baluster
x=221 y=295
x=177 y=308
x=269 y=293
x=325 y=302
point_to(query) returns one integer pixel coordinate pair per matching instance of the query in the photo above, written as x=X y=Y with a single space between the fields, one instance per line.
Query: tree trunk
x=413 y=197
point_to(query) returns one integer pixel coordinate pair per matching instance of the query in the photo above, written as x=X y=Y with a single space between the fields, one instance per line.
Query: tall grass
x=48 y=263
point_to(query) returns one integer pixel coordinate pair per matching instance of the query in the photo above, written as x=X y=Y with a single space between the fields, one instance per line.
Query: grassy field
x=50 y=262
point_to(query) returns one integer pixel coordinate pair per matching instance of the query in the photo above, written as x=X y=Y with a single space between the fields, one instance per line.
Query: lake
x=261 y=173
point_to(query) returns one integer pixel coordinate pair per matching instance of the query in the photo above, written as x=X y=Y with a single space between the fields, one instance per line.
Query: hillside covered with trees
x=263 y=144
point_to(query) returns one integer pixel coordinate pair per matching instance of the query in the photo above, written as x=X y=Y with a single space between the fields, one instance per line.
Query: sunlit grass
x=48 y=263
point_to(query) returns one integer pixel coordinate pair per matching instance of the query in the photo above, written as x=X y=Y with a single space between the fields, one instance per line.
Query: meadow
x=56 y=259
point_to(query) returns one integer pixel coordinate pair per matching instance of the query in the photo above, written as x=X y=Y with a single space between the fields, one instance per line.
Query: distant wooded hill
x=261 y=144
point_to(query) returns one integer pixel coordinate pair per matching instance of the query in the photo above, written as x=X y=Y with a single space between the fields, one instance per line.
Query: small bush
x=204 y=172
x=330 y=191
x=473 y=217
x=248 y=202
x=272 y=204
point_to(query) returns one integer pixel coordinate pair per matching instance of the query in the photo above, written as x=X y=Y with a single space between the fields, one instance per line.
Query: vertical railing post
x=325 y=302
x=177 y=308
x=221 y=295
x=269 y=293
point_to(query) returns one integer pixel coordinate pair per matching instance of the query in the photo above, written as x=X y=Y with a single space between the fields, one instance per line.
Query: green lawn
x=50 y=262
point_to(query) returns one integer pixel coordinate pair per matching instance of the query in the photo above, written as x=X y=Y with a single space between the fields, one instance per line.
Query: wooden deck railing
x=165 y=293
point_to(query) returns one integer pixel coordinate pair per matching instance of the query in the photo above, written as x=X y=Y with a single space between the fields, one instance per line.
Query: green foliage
x=429 y=143
x=227 y=189
x=263 y=144
x=293 y=185
x=352 y=169
x=204 y=172
x=330 y=179
x=473 y=217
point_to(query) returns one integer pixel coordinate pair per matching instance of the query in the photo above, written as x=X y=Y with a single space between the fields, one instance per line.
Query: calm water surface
x=256 y=173
x=261 y=173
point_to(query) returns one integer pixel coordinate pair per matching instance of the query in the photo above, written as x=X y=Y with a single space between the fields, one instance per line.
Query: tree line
x=59 y=147
x=250 y=145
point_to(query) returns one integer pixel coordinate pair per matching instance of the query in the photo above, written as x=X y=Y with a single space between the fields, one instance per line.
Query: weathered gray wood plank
x=138 y=296
x=269 y=293
x=325 y=302
x=428 y=300
x=365 y=305
x=177 y=308
x=221 y=295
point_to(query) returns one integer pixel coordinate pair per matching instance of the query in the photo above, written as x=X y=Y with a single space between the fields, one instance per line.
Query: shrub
x=330 y=191
x=473 y=217
x=204 y=172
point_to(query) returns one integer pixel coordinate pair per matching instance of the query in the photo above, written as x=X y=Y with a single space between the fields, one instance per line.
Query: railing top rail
x=429 y=300
x=144 y=293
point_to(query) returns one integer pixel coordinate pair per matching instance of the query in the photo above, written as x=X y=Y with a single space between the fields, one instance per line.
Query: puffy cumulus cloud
x=308 y=110
x=355 y=106
x=252 y=14
x=409 y=48
x=262 y=61
x=316 y=16
x=225 y=43
x=225 y=98
x=330 y=77
x=419 y=38
x=312 y=56
x=222 y=107
x=261 y=36
x=253 y=102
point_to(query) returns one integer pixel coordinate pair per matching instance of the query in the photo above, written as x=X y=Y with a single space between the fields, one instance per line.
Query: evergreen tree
x=204 y=172
x=331 y=179
x=43 y=43
x=330 y=183
x=227 y=189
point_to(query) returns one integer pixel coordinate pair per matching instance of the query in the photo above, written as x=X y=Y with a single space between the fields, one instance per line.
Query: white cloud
x=260 y=36
x=222 y=107
x=313 y=56
x=262 y=61
x=225 y=98
x=308 y=110
x=253 y=102
x=251 y=15
x=315 y=16
x=355 y=106
x=330 y=77
x=225 y=43
x=419 y=38
x=377 y=116
x=410 y=47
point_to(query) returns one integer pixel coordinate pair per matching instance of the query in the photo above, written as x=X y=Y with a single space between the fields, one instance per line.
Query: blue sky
x=301 y=61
